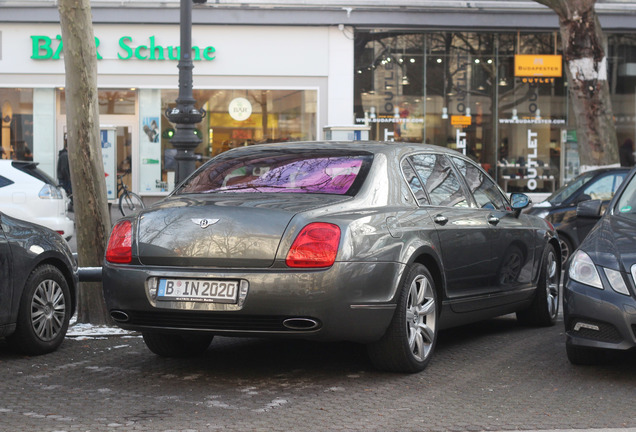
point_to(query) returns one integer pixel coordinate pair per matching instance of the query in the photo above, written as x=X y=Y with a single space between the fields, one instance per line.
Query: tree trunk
x=92 y=217
x=586 y=69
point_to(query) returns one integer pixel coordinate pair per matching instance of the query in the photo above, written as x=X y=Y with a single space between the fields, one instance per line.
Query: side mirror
x=582 y=198
x=519 y=201
x=589 y=209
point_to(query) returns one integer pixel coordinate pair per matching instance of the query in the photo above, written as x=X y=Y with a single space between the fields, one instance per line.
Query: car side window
x=484 y=190
x=414 y=182
x=605 y=187
x=5 y=182
x=440 y=181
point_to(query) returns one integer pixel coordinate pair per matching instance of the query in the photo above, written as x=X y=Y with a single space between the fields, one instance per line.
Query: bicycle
x=129 y=202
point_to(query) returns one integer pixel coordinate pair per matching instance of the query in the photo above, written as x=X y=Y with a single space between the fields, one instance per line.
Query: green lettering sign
x=44 y=48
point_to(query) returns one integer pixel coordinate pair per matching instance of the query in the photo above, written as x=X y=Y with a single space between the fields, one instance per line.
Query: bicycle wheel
x=129 y=202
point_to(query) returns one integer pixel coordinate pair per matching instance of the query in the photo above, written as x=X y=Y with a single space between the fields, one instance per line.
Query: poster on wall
x=108 y=136
x=150 y=180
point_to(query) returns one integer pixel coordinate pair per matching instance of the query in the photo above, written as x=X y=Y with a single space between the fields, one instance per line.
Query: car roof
x=386 y=147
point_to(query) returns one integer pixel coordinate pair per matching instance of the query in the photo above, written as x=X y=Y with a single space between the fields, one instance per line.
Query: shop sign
x=532 y=160
x=240 y=109
x=527 y=65
x=460 y=141
x=46 y=48
x=460 y=120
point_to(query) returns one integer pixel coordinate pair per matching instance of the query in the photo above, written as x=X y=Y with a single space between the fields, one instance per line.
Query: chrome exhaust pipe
x=119 y=316
x=301 y=324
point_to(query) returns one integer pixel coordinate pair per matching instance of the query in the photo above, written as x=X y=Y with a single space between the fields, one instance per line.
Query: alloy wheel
x=420 y=317
x=48 y=308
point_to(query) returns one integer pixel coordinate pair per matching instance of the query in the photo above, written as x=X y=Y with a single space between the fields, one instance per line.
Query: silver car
x=379 y=243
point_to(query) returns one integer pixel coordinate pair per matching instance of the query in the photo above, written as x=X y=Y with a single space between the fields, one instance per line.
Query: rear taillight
x=50 y=192
x=315 y=246
x=120 y=243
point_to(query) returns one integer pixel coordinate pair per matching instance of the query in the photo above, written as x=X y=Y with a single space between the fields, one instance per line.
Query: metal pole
x=185 y=115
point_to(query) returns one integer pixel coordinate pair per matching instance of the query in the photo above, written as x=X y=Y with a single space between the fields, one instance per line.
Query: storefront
x=409 y=71
x=500 y=98
x=255 y=84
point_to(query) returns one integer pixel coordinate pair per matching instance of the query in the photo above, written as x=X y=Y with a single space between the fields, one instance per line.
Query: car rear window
x=31 y=169
x=265 y=171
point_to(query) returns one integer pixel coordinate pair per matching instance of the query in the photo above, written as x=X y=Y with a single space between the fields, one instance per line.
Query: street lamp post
x=185 y=115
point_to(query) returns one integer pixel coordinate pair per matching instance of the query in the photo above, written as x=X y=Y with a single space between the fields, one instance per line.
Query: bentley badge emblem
x=204 y=223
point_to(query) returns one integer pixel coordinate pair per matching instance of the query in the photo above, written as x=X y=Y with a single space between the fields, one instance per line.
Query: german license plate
x=199 y=290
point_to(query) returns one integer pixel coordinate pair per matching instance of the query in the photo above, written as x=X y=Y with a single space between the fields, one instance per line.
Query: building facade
x=483 y=77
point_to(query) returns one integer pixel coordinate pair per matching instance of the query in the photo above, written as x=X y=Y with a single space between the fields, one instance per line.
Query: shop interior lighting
x=444 y=113
x=514 y=114
x=405 y=80
x=439 y=60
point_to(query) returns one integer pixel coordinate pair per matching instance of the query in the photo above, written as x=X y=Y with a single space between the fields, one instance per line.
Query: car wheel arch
x=66 y=272
x=429 y=259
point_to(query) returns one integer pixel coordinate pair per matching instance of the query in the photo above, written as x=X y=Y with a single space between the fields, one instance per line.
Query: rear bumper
x=348 y=301
x=598 y=318
x=60 y=224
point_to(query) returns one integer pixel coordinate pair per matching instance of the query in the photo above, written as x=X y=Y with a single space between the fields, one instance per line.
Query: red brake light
x=315 y=246
x=119 y=248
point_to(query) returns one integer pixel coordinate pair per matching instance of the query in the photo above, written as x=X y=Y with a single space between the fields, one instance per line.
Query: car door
x=6 y=293
x=464 y=233
x=602 y=188
x=513 y=240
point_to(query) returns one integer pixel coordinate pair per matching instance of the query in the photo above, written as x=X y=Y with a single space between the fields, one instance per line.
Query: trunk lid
x=220 y=230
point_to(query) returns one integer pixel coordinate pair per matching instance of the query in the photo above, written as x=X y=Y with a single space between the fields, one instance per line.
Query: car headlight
x=583 y=270
x=50 y=192
x=616 y=281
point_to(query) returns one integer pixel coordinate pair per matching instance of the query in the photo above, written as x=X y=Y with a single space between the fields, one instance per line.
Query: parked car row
x=384 y=244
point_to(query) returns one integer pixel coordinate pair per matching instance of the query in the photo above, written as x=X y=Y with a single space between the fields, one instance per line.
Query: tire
x=174 y=345
x=44 y=312
x=545 y=306
x=585 y=356
x=409 y=342
x=566 y=248
x=130 y=202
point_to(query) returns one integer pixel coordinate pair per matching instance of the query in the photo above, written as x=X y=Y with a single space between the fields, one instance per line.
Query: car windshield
x=626 y=204
x=277 y=171
x=566 y=191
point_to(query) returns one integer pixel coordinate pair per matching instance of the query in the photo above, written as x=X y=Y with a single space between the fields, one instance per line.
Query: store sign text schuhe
x=46 y=48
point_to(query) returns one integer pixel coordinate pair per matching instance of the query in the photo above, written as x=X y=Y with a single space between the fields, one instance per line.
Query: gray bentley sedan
x=378 y=243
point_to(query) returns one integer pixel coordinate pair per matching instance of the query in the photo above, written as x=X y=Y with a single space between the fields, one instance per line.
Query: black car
x=560 y=208
x=599 y=298
x=37 y=286
x=377 y=243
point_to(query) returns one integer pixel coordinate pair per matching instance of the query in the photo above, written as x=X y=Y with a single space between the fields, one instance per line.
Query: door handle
x=440 y=219
x=493 y=220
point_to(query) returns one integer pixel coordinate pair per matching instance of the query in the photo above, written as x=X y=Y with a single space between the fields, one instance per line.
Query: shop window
x=16 y=124
x=236 y=118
